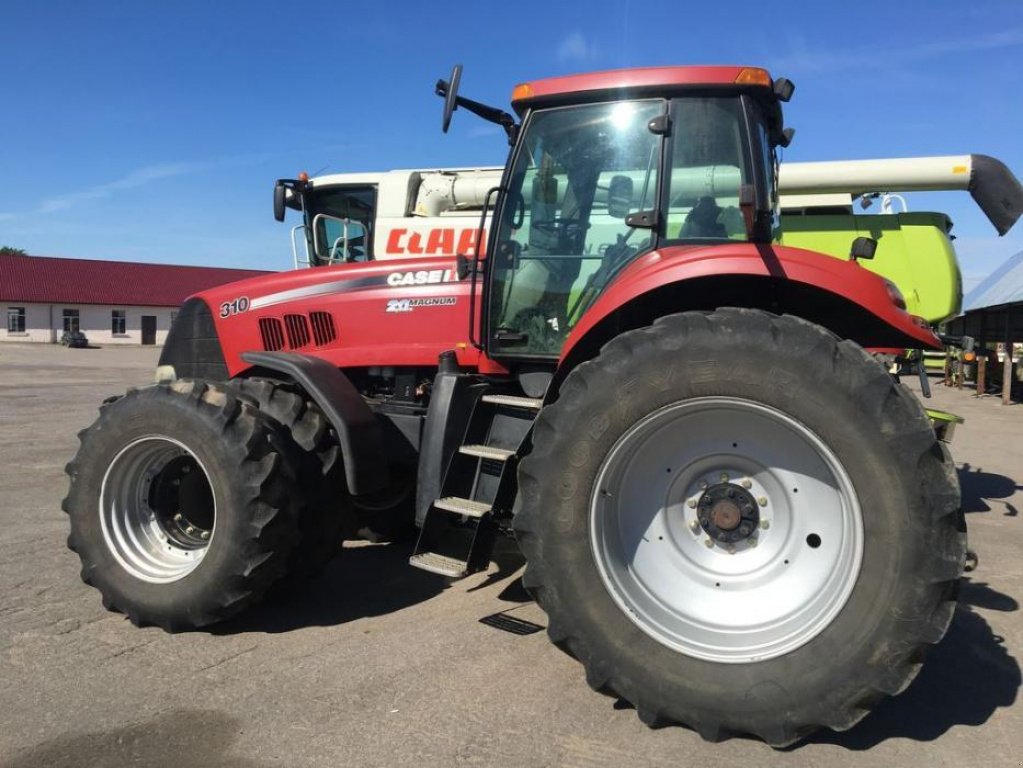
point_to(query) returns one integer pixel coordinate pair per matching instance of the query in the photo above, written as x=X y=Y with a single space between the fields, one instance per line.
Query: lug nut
x=692 y=503
x=731 y=549
x=752 y=543
x=205 y=535
x=747 y=483
x=724 y=477
x=178 y=517
x=765 y=524
x=709 y=543
x=762 y=501
x=189 y=529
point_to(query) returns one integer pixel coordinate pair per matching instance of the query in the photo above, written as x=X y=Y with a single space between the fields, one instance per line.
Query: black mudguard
x=358 y=429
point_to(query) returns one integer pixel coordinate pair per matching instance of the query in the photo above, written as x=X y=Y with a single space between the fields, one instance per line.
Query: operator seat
x=702 y=221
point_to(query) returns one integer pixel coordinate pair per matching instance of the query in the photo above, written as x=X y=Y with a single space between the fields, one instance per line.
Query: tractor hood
x=379 y=313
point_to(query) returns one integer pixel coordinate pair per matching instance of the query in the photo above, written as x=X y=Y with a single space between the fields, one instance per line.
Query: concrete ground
x=377 y=664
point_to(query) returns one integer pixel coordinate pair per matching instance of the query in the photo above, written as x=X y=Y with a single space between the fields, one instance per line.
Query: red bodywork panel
x=687 y=262
x=387 y=313
x=661 y=78
x=405 y=313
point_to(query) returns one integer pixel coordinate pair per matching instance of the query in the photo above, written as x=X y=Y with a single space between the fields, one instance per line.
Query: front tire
x=737 y=522
x=183 y=505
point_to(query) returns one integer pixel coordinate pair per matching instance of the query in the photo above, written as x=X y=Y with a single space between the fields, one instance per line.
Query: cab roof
x=570 y=87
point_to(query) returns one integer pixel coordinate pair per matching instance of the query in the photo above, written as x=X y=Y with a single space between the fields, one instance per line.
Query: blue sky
x=153 y=131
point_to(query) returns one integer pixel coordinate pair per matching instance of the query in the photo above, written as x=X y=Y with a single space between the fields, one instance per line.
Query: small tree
x=6 y=250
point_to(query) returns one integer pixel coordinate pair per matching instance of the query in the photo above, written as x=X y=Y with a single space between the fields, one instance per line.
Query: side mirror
x=619 y=197
x=863 y=248
x=449 y=90
x=463 y=265
x=355 y=241
x=279 y=192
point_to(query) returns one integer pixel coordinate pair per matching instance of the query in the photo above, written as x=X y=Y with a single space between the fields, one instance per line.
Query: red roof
x=641 y=77
x=45 y=280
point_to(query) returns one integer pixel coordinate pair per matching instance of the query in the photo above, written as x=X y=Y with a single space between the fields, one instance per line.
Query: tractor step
x=460 y=525
x=440 y=564
x=486 y=452
x=512 y=401
x=461 y=506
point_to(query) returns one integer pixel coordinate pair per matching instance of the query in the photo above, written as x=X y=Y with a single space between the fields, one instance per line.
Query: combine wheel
x=183 y=505
x=737 y=522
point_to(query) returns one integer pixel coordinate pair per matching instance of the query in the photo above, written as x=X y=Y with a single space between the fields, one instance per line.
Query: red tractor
x=734 y=517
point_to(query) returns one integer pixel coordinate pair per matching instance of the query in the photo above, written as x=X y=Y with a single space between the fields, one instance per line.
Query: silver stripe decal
x=338 y=286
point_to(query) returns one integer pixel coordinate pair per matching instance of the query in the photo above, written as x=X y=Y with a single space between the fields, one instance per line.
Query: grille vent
x=323 y=328
x=272 y=331
x=294 y=331
x=298 y=330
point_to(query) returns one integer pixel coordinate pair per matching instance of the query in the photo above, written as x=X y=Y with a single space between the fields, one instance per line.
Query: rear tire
x=183 y=505
x=646 y=440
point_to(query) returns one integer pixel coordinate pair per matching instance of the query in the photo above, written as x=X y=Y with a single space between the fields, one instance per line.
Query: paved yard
x=377 y=664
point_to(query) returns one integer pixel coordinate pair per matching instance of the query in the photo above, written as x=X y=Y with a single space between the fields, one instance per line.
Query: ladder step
x=486 y=452
x=434 y=563
x=462 y=506
x=529 y=403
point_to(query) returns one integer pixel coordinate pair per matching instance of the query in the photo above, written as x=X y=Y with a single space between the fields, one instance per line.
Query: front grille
x=323 y=328
x=298 y=330
x=271 y=330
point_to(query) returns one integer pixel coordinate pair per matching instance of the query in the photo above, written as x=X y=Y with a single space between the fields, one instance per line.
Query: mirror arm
x=490 y=114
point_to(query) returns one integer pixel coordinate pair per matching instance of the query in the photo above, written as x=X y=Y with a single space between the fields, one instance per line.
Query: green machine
x=914 y=250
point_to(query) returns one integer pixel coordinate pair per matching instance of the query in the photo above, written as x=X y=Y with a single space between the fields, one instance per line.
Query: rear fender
x=841 y=296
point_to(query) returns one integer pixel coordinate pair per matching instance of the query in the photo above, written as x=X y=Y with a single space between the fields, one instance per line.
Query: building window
x=117 y=322
x=71 y=324
x=15 y=319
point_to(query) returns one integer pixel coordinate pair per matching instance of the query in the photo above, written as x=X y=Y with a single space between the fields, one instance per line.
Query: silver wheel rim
x=157 y=509
x=749 y=600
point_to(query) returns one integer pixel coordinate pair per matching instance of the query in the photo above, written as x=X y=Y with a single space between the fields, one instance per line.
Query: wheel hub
x=728 y=513
x=182 y=500
x=157 y=509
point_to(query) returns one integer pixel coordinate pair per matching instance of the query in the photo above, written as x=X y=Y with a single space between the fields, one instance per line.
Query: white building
x=112 y=302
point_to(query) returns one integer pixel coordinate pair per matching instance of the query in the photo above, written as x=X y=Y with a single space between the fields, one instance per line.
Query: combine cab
x=735 y=518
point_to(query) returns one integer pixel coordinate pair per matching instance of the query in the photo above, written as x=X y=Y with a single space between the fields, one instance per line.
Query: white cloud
x=576 y=47
x=147 y=174
x=136 y=178
x=803 y=58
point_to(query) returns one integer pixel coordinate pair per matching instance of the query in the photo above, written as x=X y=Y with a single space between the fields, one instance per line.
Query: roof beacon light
x=753 y=76
x=522 y=91
x=303 y=176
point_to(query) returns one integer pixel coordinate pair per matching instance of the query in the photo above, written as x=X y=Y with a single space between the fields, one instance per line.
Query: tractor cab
x=609 y=168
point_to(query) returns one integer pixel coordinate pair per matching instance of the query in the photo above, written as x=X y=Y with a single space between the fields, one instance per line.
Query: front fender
x=840 y=295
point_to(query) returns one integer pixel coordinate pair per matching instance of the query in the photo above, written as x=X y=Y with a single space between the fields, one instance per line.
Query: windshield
x=331 y=214
x=563 y=231
x=586 y=196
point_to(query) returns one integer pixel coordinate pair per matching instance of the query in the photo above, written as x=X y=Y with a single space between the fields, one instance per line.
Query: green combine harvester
x=914 y=249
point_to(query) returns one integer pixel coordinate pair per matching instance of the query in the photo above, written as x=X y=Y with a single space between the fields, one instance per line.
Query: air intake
x=323 y=328
x=272 y=331
x=298 y=331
